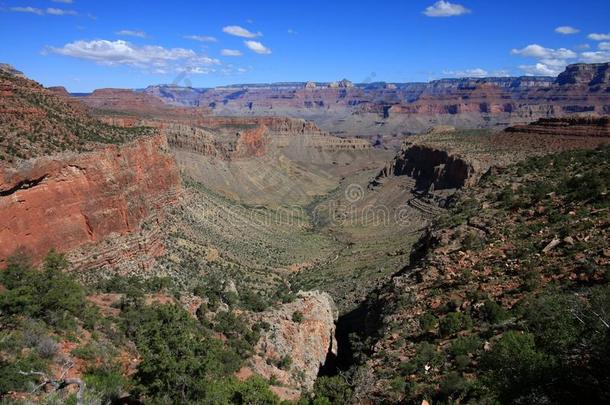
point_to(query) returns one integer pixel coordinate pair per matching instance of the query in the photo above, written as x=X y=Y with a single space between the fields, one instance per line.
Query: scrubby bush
x=177 y=358
x=493 y=312
x=297 y=316
x=50 y=295
x=334 y=389
x=515 y=366
x=465 y=345
x=454 y=322
x=428 y=321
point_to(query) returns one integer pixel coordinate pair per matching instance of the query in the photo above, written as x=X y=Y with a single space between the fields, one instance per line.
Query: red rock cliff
x=74 y=200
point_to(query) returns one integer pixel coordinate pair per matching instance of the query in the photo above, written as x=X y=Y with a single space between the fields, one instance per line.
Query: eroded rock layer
x=381 y=109
x=572 y=126
x=68 y=201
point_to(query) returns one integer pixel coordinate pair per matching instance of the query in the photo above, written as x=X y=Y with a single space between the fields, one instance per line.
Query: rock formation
x=432 y=167
x=379 y=108
x=570 y=126
x=302 y=331
x=67 y=201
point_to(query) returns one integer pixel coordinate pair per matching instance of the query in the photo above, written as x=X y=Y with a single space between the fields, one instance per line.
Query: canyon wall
x=71 y=201
x=572 y=126
x=382 y=109
x=432 y=168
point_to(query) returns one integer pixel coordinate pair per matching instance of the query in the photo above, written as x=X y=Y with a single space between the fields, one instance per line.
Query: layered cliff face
x=433 y=169
x=573 y=127
x=255 y=160
x=67 y=201
x=74 y=184
x=380 y=109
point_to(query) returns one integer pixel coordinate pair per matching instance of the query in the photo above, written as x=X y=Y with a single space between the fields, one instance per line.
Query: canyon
x=311 y=212
x=388 y=110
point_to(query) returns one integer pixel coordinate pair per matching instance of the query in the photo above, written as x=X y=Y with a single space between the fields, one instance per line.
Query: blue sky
x=84 y=45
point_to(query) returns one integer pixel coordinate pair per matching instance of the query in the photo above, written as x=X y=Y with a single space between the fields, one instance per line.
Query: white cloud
x=240 y=31
x=32 y=10
x=540 y=69
x=114 y=53
x=444 y=8
x=257 y=47
x=604 y=46
x=550 y=61
x=596 y=57
x=39 y=11
x=291 y=31
x=201 y=38
x=600 y=37
x=477 y=72
x=537 y=51
x=230 y=52
x=566 y=30
x=130 y=33
x=198 y=70
x=60 y=11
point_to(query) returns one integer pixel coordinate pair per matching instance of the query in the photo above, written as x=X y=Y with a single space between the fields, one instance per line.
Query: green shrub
x=452 y=385
x=177 y=357
x=551 y=318
x=107 y=382
x=493 y=312
x=50 y=295
x=454 y=322
x=462 y=362
x=335 y=389
x=465 y=345
x=428 y=322
x=515 y=366
x=297 y=316
x=12 y=380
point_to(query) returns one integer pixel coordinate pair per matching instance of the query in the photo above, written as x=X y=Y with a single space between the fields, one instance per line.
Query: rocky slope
x=300 y=337
x=74 y=184
x=35 y=121
x=506 y=298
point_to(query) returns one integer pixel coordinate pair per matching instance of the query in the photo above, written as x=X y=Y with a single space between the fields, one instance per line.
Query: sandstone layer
x=381 y=109
x=570 y=126
x=71 y=200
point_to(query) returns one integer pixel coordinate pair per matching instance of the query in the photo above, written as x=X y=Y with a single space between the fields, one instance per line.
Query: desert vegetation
x=509 y=302
x=157 y=353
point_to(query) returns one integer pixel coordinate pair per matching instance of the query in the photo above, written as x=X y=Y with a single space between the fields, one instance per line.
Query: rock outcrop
x=69 y=201
x=432 y=168
x=302 y=331
x=132 y=102
x=570 y=126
